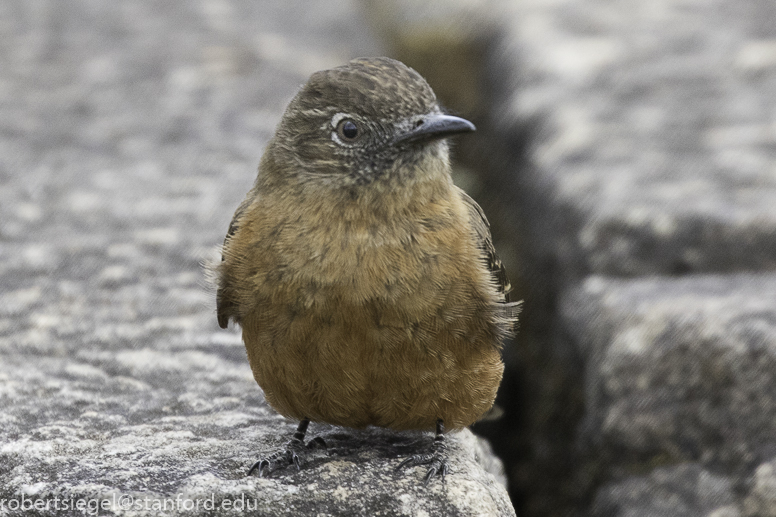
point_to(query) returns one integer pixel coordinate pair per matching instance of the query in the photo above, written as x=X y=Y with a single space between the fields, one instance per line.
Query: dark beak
x=433 y=127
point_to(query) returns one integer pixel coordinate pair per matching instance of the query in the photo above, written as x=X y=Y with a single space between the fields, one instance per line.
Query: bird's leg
x=436 y=459
x=293 y=453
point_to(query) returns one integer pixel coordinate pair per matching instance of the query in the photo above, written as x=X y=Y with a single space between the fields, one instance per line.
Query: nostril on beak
x=419 y=123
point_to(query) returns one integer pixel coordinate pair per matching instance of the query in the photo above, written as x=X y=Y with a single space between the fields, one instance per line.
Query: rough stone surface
x=133 y=465
x=678 y=369
x=129 y=132
x=761 y=500
x=681 y=491
x=655 y=153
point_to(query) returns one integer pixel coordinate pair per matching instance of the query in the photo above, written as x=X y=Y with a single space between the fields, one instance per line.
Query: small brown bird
x=365 y=282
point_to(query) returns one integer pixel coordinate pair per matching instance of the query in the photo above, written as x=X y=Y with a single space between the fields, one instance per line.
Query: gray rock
x=761 y=500
x=129 y=132
x=193 y=461
x=677 y=369
x=681 y=491
x=653 y=154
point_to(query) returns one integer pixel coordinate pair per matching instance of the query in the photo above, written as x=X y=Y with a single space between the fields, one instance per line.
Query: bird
x=365 y=282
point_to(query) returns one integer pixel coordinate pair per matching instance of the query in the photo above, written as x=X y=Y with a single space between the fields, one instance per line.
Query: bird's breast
x=353 y=258
x=357 y=320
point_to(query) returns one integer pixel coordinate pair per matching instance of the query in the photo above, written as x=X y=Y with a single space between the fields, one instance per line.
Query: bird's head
x=370 y=120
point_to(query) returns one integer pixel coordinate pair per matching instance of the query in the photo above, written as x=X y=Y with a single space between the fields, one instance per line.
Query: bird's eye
x=348 y=131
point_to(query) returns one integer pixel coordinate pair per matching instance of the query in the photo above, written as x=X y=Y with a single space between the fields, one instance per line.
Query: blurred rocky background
x=625 y=155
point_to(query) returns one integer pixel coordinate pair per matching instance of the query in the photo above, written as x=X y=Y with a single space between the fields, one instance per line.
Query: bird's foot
x=294 y=452
x=436 y=459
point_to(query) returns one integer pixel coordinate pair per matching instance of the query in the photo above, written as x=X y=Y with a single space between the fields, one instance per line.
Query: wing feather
x=225 y=305
x=481 y=228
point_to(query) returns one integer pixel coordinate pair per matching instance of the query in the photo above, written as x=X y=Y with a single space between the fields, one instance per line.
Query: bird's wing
x=224 y=304
x=481 y=228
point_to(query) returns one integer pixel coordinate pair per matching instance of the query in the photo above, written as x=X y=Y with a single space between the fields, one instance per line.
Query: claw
x=417 y=459
x=436 y=459
x=404 y=463
x=293 y=454
x=262 y=465
x=255 y=465
x=438 y=466
x=429 y=475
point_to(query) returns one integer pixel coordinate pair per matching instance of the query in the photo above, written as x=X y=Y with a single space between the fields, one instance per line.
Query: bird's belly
x=370 y=364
